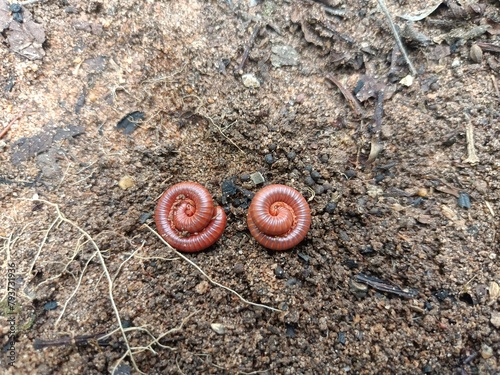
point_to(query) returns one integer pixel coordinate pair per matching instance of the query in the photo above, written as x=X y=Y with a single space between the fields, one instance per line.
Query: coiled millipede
x=187 y=219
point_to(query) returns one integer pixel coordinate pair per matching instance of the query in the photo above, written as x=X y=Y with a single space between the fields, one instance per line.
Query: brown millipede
x=186 y=218
x=279 y=217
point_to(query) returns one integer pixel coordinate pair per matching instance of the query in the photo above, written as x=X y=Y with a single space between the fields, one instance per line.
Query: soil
x=399 y=272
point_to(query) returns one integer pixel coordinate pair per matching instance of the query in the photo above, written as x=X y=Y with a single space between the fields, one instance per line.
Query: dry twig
x=6 y=129
x=471 y=150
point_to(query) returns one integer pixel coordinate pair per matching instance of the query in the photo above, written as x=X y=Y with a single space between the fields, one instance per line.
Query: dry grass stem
x=131 y=351
x=471 y=149
x=397 y=37
x=208 y=277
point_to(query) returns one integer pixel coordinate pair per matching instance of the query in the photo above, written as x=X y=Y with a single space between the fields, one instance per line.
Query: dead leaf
x=421 y=14
x=24 y=38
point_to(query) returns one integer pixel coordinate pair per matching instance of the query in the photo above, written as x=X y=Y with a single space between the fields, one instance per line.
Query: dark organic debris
x=25 y=148
x=123 y=369
x=23 y=35
x=228 y=189
x=52 y=305
x=463 y=200
x=385 y=286
x=129 y=123
x=75 y=340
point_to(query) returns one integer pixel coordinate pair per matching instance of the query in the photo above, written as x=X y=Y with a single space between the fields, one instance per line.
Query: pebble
x=351 y=173
x=145 y=217
x=291 y=155
x=269 y=159
x=284 y=55
x=342 y=338
x=358 y=289
x=319 y=189
x=463 y=200
x=476 y=53
x=257 y=178
x=422 y=192
x=126 y=182
x=238 y=268
x=250 y=81
x=486 y=351
x=290 y=331
x=495 y=319
x=245 y=177
x=272 y=147
x=330 y=207
x=218 y=328
x=279 y=272
x=50 y=305
x=324 y=158
x=315 y=175
x=309 y=181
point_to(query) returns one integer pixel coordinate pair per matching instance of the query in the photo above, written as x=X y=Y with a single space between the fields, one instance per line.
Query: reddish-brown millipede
x=186 y=218
x=279 y=217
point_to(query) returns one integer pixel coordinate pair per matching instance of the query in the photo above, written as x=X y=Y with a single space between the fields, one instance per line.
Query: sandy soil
x=399 y=273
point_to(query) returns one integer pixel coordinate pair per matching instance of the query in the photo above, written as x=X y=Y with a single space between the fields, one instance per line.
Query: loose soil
x=399 y=273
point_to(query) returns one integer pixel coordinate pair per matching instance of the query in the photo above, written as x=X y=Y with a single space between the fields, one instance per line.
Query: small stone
x=351 y=173
x=290 y=331
x=126 y=182
x=284 y=55
x=300 y=98
x=422 y=192
x=309 y=181
x=245 y=177
x=238 y=268
x=279 y=272
x=407 y=81
x=342 y=338
x=486 y=351
x=291 y=282
x=358 y=289
x=269 y=159
x=291 y=155
x=319 y=189
x=495 y=319
x=315 y=175
x=476 y=53
x=330 y=207
x=202 y=287
x=463 y=200
x=272 y=147
x=427 y=369
x=145 y=217
x=250 y=81
x=50 y=305
x=257 y=178
x=493 y=291
x=324 y=158
x=15 y=8
x=218 y=328
x=308 y=168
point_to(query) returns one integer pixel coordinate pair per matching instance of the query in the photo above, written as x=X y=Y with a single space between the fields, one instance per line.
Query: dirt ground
x=399 y=273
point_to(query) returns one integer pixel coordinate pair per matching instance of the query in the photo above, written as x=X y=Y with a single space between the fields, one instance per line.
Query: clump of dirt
x=399 y=272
